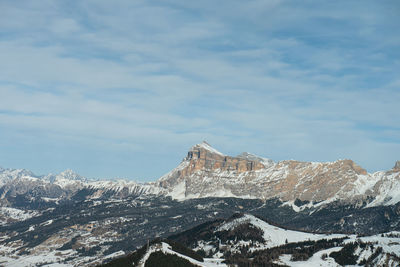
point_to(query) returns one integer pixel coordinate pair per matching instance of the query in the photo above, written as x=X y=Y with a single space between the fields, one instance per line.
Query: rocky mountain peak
x=200 y=150
x=249 y=156
x=16 y=173
x=202 y=162
x=397 y=165
x=70 y=175
x=208 y=172
x=252 y=157
x=204 y=157
x=351 y=165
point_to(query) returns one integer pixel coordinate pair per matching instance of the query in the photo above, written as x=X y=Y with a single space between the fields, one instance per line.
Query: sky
x=124 y=88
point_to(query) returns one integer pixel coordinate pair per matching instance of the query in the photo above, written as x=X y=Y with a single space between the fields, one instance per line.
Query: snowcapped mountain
x=251 y=241
x=246 y=240
x=17 y=184
x=206 y=172
x=6 y=175
x=77 y=221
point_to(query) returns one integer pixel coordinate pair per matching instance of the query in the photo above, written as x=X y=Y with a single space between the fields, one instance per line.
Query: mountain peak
x=249 y=156
x=206 y=146
x=397 y=165
x=253 y=157
x=70 y=175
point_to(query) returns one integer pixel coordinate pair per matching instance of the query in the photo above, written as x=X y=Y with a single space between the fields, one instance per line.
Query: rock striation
x=206 y=172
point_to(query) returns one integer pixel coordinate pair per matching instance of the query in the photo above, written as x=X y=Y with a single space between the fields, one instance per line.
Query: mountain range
x=70 y=220
x=206 y=172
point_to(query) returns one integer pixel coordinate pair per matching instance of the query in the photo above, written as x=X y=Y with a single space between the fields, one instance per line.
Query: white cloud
x=280 y=79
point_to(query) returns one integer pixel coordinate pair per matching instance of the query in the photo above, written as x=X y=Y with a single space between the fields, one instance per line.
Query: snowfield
x=275 y=236
x=315 y=260
x=15 y=214
x=166 y=249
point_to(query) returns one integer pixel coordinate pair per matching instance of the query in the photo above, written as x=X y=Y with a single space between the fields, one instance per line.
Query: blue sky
x=124 y=88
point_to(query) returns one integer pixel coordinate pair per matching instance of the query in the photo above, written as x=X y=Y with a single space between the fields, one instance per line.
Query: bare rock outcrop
x=207 y=172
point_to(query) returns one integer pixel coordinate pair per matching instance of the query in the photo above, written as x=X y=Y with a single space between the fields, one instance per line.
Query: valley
x=68 y=220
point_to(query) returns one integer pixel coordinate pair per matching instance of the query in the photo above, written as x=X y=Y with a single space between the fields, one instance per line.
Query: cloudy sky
x=124 y=88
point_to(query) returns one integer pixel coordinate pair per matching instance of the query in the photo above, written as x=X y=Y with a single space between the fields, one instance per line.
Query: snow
x=384 y=186
x=207 y=247
x=48 y=199
x=63 y=182
x=388 y=244
x=315 y=260
x=363 y=253
x=217 y=193
x=57 y=265
x=207 y=146
x=365 y=183
x=253 y=157
x=114 y=255
x=297 y=208
x=17 y=214
x=179 y=191
x=69 y=179
x=166 y=249
x=30 y=178
x=46 y=259
x=180 y=167
x=275 y=236
x=309 y=205
x=388 y=190
x=47 y=222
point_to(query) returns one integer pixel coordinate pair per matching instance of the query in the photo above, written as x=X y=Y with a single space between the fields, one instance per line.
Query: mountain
x=206 y=172
x=70 y=220
x=19 y=188
x=162 y=253
x=86 y=232
x=246 y=240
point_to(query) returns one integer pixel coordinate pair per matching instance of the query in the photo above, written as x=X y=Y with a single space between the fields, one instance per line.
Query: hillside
x=69 y=219
x=245 y=240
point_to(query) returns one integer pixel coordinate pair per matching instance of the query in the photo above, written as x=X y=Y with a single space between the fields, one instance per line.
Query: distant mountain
x=206 y=172
x=68 y=219
x=21 y=185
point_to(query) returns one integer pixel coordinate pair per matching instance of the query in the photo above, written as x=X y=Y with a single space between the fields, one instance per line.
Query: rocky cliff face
x=207 y=172
x=397 y=165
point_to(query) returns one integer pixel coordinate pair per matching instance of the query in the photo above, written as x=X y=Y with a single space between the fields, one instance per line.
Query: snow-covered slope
x=166 y=249
x=55 y=187
x=273 y=235
x=8 y=215
x=245 y=240
x=252 y=241
x=206 y=172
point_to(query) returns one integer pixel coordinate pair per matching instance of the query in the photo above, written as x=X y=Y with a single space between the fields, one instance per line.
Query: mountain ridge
x=207 y=172
x=204 y=173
